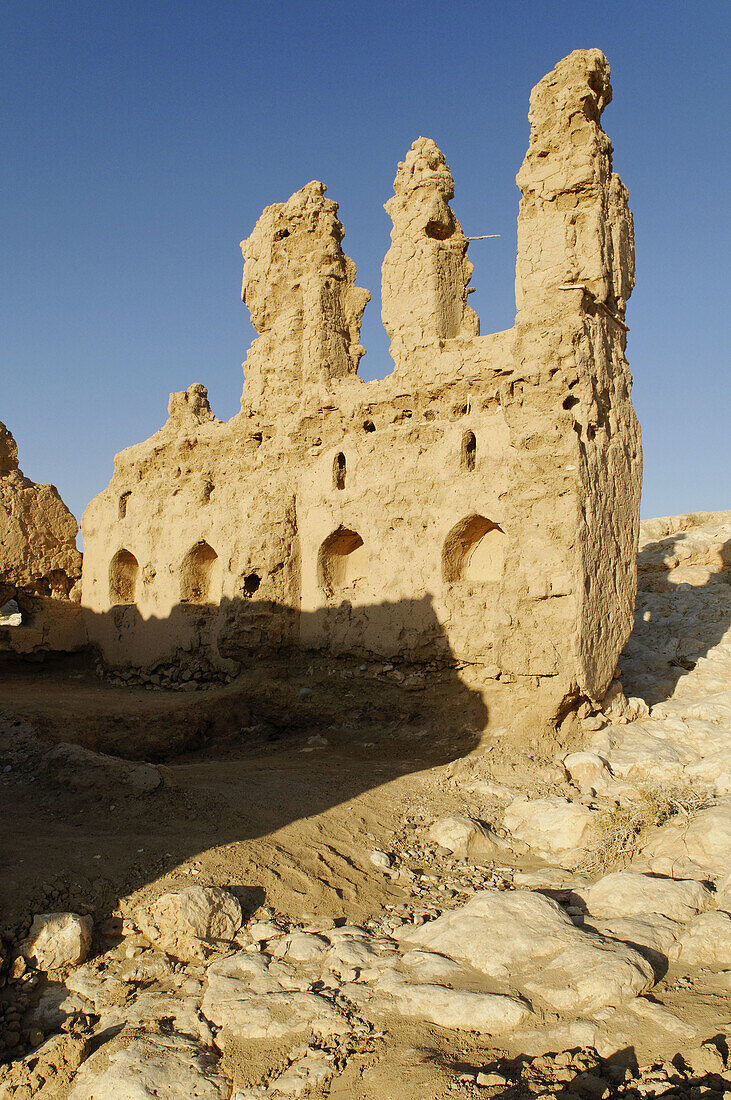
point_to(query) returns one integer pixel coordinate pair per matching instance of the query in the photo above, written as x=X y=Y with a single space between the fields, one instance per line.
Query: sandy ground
x=280 y=787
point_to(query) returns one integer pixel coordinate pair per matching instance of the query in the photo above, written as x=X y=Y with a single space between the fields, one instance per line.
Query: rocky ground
x=363 y=902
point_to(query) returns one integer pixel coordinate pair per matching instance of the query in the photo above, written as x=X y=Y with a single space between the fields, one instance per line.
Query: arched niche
x=123 y=571
x=196 y=574
x=342 y=563
x=474 y=552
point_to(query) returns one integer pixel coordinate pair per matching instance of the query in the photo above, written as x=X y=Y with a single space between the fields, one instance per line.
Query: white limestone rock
x=660 y=1017
x=630 y=894
x=230 y=1004
x=430 y=967
x=712 y=771
x=497 y=931
x=651 y=934
x=699 y=847
x=549 y=826
x=138 y=1067
x=381 y=860
x=314 y=1068
x=300 y=947
x=465 y=837
x=705 y=942
x=353 y=954
x=57 y=940
x=590 y=975
x=528 y=942
x=264 y=930
x=489 y=1013
x=588 y=771
x=191 y=923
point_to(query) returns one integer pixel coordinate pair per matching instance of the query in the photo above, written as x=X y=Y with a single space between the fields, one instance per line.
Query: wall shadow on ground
x=655 y=658
x=295 y=734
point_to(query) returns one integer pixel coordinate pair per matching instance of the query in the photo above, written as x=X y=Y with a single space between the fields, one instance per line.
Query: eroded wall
x=492 y=481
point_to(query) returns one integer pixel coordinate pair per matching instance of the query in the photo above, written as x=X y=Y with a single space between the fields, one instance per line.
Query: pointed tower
x=426 y=272
x=574 y=273
x=300 y=289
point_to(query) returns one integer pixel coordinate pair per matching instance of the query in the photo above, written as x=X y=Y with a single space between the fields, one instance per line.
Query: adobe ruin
x=486 y=492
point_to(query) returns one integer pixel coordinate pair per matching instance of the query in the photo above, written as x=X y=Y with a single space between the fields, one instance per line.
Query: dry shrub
x=619 y=834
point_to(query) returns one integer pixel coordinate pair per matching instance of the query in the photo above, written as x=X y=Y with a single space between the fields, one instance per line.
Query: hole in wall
x=469 y=451
x=570 y=401
x=439 y=230
x=474 y=552
x=339 y=471
x=342 y=563
x=369 y=426
x=124 y=497
x=196 y=573
x=251 y=584
x=123 y=571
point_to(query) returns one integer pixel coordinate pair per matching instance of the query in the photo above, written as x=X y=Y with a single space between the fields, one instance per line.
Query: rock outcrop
x=38 y=554
x=40 y=567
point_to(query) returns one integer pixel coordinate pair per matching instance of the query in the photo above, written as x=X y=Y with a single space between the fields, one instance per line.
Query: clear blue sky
x=142 y=140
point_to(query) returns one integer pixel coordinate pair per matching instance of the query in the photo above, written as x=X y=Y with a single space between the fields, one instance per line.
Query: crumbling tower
x=426 y=271
x=301 y=293
x=575 y=271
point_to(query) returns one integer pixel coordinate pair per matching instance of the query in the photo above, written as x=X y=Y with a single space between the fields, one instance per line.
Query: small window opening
x=251 y=584
x=339 y=471
x=469 y=450
x=369 y=426
x=123 y=503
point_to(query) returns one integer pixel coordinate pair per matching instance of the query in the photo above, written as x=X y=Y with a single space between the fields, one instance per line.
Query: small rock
x=132 y=1065
x=191 y=923
x=263 y=930
x=587 y=771
x=17 y=968
x=301 y=947
x=57 y=940
x=629 y=893
x=550 y=826
x=488 y=1079
x=381 y=860
x=456 y=1008
x=10 y=614
x=465 y=837
x=703 y=1059
x=705 y=942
